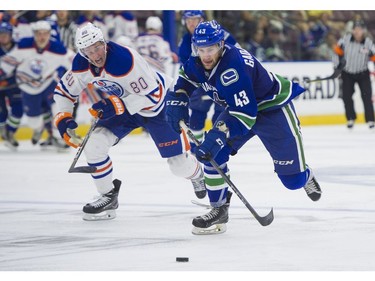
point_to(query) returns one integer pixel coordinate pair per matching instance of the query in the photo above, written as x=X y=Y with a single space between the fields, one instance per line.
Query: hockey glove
x=107 y=108
x=66 y=125
x=176 y=109
x=213 y=142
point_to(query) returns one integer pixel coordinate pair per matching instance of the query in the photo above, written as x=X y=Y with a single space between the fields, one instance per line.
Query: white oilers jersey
x=156 y=51
x=125 y=24
x=35 y=70
x=125 y=74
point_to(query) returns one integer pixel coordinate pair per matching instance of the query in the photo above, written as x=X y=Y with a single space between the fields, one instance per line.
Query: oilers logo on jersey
x=37 y=66
x=109 y=87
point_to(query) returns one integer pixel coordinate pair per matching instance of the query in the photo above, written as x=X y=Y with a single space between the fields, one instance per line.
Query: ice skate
x=54 y=143
x=9 y=140
x=350 y=124
x=199 y=186
x=105 y=207
x=36 y=137
x=214 y=222
x=312 y=187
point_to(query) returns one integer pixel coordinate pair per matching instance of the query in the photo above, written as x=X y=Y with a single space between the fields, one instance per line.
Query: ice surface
x=41 y=228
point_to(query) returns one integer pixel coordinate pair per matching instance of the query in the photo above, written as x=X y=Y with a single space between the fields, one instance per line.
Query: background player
x=38 y=61
x=156 y=51
x=9 y=92
x=200 y=103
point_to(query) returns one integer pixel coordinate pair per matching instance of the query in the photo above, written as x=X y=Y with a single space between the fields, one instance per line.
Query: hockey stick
x=336 y=73
x=264 y=221
x=16 y=85
x=83 y=169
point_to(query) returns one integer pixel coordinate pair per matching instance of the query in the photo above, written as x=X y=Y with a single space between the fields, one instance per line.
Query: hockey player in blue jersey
x=257 y=103
x=200 y=103
x=9 y=119
x=134 y=97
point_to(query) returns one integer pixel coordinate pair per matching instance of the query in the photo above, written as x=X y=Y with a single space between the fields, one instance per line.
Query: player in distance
x=37 y=61
x=10 y=94
x=200 y=103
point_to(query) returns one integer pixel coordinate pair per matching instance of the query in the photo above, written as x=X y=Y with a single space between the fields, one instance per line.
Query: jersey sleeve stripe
x=60 y=92
x=284 y=94
x=246 y=120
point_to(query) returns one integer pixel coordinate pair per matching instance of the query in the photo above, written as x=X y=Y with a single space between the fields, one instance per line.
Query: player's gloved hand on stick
x=176 y=109
x=66 y=125
x=107 y=108
x=213 y=142
x=342 y=63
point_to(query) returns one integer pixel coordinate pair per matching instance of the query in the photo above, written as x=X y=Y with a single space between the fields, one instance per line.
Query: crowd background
x=272 y=36
x=304 y=35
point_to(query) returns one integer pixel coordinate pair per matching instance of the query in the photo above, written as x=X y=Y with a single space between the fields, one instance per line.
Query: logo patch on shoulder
x=229 y=76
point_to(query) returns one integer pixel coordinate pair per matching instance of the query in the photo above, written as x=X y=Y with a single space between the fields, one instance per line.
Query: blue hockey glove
x=66 y=125
x=107 y=108
x=213 y=142
x=177 y=108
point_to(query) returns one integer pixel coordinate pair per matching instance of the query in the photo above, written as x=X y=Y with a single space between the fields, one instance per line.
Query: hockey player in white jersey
x=157 y=51
x=135 y=98
x=38 y=61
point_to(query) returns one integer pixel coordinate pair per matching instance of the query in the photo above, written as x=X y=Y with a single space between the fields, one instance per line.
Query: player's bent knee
x=98 y=145
x=183 y=165
x=294 y=181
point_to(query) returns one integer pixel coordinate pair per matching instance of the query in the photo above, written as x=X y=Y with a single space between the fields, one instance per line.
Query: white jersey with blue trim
x=156 y=51
x=35 y=68
x=125 y=74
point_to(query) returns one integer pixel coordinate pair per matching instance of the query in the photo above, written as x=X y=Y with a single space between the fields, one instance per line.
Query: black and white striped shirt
x=357 y=54
x=67 y=35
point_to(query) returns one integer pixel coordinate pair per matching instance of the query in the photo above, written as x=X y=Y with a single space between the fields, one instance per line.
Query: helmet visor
x=207 y=51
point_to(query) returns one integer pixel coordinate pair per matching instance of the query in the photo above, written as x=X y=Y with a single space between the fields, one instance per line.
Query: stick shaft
x=262 y=220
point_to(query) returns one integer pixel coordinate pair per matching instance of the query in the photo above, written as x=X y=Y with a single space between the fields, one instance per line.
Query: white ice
x=41 y=228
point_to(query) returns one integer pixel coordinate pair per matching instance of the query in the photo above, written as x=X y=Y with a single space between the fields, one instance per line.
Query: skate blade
x=54 y=149
x=10 y=146
x=214 y=229
x=201 y=204
x=106 y=215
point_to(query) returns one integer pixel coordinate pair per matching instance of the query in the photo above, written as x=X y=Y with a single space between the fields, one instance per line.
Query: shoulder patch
x=229 y=76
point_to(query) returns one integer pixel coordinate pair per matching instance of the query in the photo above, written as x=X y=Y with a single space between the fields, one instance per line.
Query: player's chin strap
x=264 y=221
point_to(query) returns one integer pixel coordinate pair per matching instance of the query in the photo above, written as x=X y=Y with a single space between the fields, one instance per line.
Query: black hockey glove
x=177 y=109
x=213 y=142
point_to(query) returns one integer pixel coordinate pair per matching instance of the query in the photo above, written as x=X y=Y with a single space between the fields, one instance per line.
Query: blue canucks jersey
x=241 y=84
x=11 y=79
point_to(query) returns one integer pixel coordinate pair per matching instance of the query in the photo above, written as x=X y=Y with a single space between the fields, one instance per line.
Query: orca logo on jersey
x=109 y=87
x=229 y=76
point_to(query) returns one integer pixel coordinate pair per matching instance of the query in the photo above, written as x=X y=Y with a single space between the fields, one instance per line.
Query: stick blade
x=267 y=220
x=83 y=169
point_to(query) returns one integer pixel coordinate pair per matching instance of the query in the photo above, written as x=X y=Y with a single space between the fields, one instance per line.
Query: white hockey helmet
x=154 y=23
x=86 y=36
x=40 y=25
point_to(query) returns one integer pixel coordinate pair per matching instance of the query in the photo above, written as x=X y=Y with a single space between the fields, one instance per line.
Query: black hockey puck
x=182 y=259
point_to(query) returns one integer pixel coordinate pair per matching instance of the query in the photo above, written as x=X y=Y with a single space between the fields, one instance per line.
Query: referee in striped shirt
x=356 y=48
